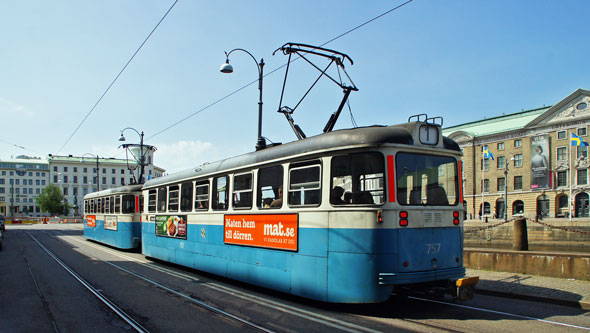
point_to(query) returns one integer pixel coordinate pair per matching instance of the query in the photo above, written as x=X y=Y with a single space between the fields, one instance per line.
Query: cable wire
x=279 y=68
x=116 y=78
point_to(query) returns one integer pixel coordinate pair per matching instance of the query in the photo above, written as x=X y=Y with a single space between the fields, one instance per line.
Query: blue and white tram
x=113 y=216
x=366 y=210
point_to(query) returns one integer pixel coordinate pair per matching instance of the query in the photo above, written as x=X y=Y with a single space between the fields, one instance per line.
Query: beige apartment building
x=534 y=167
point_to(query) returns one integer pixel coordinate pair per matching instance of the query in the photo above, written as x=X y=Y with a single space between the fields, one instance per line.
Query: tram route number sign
x=91 y=220
x=273 y=231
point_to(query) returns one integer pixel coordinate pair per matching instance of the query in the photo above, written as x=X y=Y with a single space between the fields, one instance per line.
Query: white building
x=21 y=181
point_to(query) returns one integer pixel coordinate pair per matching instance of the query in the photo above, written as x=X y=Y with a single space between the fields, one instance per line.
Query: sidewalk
x=540 y=288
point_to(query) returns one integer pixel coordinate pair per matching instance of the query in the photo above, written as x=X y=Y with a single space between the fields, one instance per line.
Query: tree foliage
x=51 y=200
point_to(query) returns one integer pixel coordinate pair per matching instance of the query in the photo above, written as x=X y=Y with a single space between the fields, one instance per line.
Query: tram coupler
x=464 y=289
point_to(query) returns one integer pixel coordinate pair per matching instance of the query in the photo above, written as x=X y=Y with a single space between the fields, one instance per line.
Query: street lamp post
x=506 y=193
x=227 y=68
x=141 y=159
x=97 y=173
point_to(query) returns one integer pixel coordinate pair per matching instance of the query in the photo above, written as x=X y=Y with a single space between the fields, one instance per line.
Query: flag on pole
x=577 y=141
x=487 y=154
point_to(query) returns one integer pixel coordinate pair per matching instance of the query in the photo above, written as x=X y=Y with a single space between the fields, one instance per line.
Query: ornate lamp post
x=141 y=158
x=227 y=68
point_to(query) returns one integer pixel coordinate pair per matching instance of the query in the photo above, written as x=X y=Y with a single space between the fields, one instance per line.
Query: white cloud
x=9 y=108
x=184 y=155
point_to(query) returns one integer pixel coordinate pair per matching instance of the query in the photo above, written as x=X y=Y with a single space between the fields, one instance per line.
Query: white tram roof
x=312 y=146
x=115 y=190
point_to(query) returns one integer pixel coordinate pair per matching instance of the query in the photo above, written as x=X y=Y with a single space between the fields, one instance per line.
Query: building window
x=518 y=160
x=122 y=180
x=583 y=177
x=518 y=182
x=561 y=153
x=486 y=185
x=104 y=180
x=113 y=171
x=104 y=170
x=55 y=168
x=85 y=180
x=65 y=169
x=65 y=191
x=65 y=179
x=517 y=143
x=518 y=207
x=75 y=179
x=582 y=151
x=485 y=164
x=54 y=179
x=113 y=181
x=501 y=184
x=582 y=131
x=75 y=169
x=501 y=162
x=561 y=135
x=85 y=170
x=500 y=145
x=561 y=178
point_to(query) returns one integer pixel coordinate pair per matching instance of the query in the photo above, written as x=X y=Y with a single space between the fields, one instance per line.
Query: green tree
x=51 y=200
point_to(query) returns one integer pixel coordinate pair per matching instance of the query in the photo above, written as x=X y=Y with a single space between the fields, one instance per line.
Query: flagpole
x=570 y=201
x=483 y=170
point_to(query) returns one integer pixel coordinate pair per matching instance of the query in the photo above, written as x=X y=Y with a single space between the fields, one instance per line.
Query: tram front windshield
x=426 y=180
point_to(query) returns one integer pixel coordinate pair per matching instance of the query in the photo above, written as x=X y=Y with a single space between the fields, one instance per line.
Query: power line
x=276 y=69
x=20 y=147
x=117 y=77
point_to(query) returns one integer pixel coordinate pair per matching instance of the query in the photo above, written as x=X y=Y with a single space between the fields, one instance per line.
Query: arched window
x=562 y=209
x=518 y=207
x=542 y=206
x=486 y=209
x=500 y=208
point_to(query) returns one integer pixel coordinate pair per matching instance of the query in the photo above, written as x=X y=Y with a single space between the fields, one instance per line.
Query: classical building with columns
x=535 y=169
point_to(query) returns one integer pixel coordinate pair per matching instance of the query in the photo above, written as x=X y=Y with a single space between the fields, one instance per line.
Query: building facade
x=535 y=170
x=23 y=179
x=79 y=175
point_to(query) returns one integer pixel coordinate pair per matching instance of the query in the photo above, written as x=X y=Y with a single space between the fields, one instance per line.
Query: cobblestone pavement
x=564 y=291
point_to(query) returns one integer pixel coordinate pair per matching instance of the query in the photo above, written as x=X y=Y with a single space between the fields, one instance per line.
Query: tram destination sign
x=273 y=231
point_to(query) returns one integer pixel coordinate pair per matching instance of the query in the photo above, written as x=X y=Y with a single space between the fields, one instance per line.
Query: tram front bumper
x=420 y=277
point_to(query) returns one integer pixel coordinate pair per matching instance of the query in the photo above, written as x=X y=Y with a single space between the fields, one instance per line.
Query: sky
x=460 y=59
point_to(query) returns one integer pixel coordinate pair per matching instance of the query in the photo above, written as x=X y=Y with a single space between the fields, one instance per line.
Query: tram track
x=291 y=310
x=105 y=300
x=301 y=313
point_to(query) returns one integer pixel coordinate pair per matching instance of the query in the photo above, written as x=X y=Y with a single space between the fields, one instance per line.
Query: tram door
x=582 y=205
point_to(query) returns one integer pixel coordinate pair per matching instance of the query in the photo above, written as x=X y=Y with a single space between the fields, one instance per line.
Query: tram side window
x=112 y=205
x=102 y=205
x=426 y=180
x=162 y=194
x=357 y=179
x=242 y=195
x=152 y=201
x=128 y=204
x=95 y=206
x=85 y=207
x=186 y=197
x=173 y=198
x=304 y=184
x=202 y=195
x=141 y=200
x=106 y=205
x=270 y=187
x=118 y=204
x=220 y=194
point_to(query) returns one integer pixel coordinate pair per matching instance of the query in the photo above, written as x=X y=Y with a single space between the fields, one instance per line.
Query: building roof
x=500 y=124
x=78 y=159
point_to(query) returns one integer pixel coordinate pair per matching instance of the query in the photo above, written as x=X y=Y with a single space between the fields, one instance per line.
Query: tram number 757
x=433 y=248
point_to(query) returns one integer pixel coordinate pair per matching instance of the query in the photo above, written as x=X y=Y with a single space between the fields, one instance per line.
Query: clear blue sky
x=459 y=59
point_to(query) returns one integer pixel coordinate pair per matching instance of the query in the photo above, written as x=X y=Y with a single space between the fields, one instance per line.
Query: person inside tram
x=279 y=201
x=336 y=196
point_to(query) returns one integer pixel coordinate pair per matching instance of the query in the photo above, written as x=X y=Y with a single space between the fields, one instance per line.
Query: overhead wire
x=279 y=68
x=117 y=77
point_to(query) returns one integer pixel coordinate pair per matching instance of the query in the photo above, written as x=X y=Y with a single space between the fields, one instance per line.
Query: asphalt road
x=38 y=294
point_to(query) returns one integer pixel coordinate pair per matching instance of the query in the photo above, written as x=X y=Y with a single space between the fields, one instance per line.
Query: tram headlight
x=403 y=219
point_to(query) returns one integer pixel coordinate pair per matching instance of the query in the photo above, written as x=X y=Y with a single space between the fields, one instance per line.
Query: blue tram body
x=366 y=211
x=113 y=217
